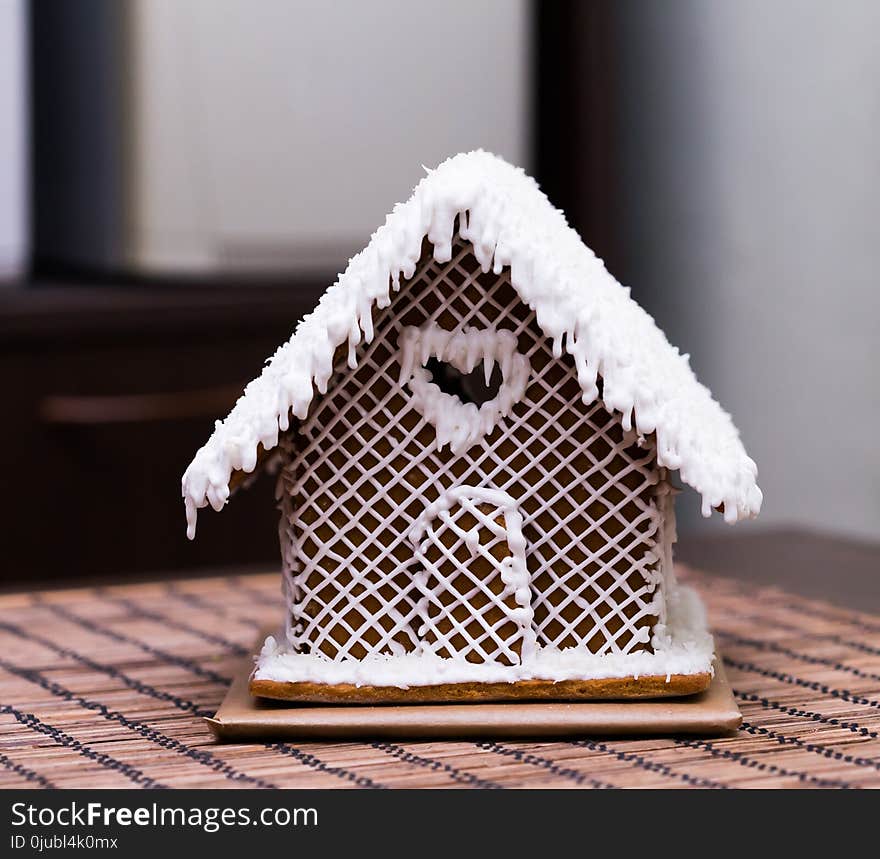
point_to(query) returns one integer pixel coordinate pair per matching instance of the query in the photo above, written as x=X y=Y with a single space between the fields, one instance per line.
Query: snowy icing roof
x=578 y=304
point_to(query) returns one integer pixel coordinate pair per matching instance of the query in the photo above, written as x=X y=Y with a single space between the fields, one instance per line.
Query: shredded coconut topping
x=686 y=647
x=578 y=304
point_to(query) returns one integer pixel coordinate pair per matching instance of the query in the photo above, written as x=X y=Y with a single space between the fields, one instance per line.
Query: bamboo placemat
x=107 y=687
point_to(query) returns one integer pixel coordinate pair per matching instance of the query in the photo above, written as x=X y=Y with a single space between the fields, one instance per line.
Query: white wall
x=13 y=136
x=750 y=211
x=279 y=134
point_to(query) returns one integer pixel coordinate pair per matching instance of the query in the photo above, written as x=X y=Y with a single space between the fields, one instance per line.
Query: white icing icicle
x=461 y=424
x=578 y=304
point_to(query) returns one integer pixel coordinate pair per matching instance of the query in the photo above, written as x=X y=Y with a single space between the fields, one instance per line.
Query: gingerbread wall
x=364 y=464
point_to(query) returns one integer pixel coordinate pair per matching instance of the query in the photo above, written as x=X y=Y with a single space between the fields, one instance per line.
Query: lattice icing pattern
x=367 y=471
x=688 y=649
x=579 y=306
x=475 y=601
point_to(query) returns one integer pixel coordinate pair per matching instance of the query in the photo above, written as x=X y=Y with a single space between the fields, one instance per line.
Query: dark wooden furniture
x=107 y=394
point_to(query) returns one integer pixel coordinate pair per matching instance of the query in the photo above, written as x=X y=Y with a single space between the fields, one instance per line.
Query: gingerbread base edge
x=611 y=688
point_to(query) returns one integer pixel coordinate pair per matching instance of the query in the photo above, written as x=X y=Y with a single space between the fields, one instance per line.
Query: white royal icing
x=460 y=424
x=683 y=646
x=619 y=590
x=579 y=305
x=433 y=579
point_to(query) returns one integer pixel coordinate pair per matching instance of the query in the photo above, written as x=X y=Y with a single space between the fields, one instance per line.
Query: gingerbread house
x=475 y=434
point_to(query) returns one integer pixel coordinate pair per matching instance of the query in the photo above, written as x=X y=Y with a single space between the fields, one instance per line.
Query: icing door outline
x=473 y=583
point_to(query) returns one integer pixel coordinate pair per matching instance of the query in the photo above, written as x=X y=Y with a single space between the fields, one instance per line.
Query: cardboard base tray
x=242 y=717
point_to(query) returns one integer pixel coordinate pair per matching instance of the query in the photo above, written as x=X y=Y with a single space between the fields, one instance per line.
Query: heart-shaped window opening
x=468 y=387
x=462 y=382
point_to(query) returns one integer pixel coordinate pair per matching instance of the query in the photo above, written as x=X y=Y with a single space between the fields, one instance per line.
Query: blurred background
x=181 y=179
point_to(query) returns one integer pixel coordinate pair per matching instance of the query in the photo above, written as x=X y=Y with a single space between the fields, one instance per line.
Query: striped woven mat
x=106 y=688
